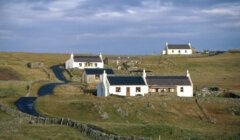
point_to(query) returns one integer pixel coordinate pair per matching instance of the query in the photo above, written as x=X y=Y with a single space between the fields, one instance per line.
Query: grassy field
x=167 y=116
x=13 y=128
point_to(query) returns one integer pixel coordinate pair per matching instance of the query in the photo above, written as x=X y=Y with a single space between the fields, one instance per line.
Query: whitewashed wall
x=182 y=51
x=144 y=90
x=187 y=91
x=69 y=64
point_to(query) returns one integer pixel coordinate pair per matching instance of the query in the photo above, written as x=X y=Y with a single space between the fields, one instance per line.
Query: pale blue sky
x=117 y=26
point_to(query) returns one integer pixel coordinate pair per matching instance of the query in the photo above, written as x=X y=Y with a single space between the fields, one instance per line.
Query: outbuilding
x=181 y=86
x=95 y=75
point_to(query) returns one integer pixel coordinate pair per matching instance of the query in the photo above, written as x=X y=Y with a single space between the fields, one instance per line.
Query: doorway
x=128 y=91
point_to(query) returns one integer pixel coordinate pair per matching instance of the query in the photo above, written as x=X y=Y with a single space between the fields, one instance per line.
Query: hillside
x=167 y=116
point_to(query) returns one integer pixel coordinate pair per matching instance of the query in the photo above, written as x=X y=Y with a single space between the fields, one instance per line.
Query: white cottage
x=182 y=86
x=178 y=49
x=122 y=86
x=82 y=62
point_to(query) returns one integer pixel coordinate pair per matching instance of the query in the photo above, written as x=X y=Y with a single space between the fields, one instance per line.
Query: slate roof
x=178 y=46
x=99 y=71
x=167 y=80
x=126 y=80
x=87 y=59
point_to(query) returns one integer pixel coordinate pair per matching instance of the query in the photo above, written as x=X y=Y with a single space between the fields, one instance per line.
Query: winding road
x=26 y=104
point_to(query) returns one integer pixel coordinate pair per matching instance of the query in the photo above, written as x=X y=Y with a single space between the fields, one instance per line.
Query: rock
x=163 y=104
x=35 y=65
x=122 y=112
x=104 y=116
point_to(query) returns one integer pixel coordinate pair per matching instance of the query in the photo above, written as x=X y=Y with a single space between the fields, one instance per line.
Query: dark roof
x=87 y=59
x=168 y=80
x=126 y=80
x=98 y=71
x=178 y=46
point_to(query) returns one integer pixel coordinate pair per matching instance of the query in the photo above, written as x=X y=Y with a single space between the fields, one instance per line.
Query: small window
x=95 y=64
x=172 y=51
x=138 y=89
x=97 y=77
x=179 y=51
x=118 y=89
x=181 y=89
x=80 y=64
x=185 y=51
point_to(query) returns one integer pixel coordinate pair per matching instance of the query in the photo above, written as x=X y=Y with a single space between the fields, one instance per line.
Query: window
x=172 y=51
x=118 y=89
x=138 y=89
x=95 y=64
x=97 y=77
x=185 y=51
x=88 y=64
x=179 y=51
x=181 y=89
x=80 y=64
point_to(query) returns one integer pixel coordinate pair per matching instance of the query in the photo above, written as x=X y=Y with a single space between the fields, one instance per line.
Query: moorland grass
x=169 y=117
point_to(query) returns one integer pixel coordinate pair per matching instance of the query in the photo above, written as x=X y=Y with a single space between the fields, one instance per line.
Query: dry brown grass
x=164 y=112
x=7 y=73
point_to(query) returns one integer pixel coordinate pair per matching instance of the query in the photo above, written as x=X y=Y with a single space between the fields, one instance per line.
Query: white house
x=178 y=49
x=122 y=86
x=82 y=62
x=182 y=86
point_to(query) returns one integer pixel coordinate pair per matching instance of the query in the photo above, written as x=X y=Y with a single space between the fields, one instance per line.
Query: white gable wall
x=69 y=64
x=187 y=91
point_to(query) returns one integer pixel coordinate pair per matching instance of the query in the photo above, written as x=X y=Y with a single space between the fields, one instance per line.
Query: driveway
x=26 y=104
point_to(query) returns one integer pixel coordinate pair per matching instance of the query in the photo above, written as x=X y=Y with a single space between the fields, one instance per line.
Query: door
x=128 y=91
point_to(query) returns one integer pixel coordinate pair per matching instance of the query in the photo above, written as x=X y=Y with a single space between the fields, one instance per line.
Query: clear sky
x=117 y=26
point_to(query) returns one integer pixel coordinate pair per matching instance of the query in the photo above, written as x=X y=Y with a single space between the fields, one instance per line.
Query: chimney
x=189 y=44
x=144 y=74
x=71 y=56
x=166 y=44
x=188 y=74
x=100 y=55
x=104 y=76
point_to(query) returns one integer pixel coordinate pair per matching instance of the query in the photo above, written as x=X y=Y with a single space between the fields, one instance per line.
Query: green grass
x=13 y=128
x=42 y=132
x=182 y=117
